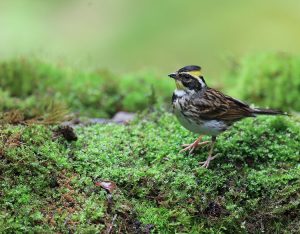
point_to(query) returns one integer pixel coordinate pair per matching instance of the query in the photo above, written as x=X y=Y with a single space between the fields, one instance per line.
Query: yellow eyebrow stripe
x=195 y=73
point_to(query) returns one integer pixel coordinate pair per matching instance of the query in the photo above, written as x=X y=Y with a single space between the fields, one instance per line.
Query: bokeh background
x=126 y=36
x=100 y=57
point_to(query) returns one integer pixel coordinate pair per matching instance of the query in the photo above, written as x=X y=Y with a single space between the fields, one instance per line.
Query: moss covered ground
x=111 y=178
x=49 y=184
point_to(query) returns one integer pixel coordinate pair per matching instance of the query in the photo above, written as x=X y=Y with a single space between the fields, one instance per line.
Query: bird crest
x=191 y=69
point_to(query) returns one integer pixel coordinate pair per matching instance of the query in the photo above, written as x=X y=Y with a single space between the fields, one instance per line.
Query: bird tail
x=262 y=111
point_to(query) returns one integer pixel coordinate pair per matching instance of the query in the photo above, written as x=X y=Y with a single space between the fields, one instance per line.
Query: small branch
x=109 y=229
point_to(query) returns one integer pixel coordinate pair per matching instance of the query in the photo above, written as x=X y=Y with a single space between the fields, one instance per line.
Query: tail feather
x=262 y=111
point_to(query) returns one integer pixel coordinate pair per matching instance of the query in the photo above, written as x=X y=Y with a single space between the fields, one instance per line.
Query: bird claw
x=188 y=147
x=205 y=164
x=191 y=147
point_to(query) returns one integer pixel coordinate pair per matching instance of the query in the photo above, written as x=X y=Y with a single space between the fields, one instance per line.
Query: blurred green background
x=126 y=36
x=101 y=57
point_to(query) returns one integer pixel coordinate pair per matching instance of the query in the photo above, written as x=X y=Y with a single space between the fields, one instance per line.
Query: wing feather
x=214 y=105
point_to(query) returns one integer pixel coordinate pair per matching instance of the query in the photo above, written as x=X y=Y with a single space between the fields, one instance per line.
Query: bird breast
x=193 y=122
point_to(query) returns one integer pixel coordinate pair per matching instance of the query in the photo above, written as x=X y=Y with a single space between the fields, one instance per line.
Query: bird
x=207 y=111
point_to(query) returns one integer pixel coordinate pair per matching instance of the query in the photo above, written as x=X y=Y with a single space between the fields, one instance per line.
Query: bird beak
x=173 y=75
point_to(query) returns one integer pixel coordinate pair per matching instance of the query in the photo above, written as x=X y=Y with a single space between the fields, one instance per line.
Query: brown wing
x=215 y=105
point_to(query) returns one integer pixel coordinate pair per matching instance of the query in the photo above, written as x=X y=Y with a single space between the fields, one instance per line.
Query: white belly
x=206 y=127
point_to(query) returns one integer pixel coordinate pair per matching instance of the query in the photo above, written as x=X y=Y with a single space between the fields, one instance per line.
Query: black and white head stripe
x=189 y=68
x=191 y=82
x=202 y=79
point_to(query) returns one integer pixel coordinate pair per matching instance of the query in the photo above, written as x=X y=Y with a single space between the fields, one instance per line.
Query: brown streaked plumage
x=205 y=110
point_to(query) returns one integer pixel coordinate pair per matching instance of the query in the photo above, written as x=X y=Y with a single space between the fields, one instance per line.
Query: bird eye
x=186 y=77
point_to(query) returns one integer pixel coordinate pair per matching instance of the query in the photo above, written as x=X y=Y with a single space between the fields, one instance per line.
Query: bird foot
x=191 y=147
x=209 y=158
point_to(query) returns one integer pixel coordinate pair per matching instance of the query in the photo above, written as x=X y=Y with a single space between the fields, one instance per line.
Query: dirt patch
x=67 y=132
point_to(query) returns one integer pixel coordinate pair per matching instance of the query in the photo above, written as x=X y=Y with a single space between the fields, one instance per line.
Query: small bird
x=206 y=111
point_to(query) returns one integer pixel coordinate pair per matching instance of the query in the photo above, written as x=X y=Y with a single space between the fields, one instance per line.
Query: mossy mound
x=24 y=83
x=268 y=80
x=48 y=184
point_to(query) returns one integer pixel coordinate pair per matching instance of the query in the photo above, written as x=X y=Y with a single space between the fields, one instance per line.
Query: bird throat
x=178 y=93
x=179 y=85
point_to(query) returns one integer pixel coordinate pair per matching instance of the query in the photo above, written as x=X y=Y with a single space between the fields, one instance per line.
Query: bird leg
x=194 y=145
x=210 y=157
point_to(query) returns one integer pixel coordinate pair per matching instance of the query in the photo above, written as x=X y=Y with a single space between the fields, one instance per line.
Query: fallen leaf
x=109 y=186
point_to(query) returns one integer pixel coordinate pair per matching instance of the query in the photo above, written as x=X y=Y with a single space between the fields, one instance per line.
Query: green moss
x=49 y=184
x=99 y=93
x=264 y=79
x=172 y=192
x=268 y=80
x=37 y=193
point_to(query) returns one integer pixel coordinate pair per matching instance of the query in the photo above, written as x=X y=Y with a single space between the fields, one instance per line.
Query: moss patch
x=24 y=83
x=48 y=184
x=268 y=80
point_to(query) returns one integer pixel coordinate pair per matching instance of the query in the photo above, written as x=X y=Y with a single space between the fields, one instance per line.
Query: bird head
x=189 y=78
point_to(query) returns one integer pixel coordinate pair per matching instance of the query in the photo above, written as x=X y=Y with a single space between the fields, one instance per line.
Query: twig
x=111 y=224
